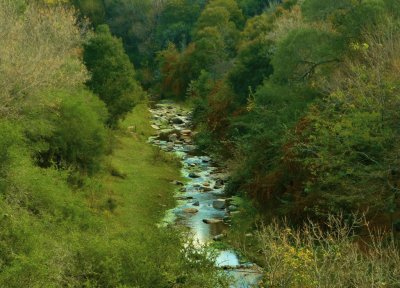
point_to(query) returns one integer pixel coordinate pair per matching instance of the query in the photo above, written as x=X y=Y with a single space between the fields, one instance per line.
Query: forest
x=299 y=100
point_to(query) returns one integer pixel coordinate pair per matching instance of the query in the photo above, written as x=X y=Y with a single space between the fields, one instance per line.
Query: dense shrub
x=70 y=131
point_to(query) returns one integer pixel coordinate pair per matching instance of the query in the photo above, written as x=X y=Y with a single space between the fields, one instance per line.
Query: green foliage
x=279 y=106
x=318 y=10
x=303 y=52
x=134 y=21
x=177 y=69
x=113 y=76
x=94 y=9
x=351 y=17
x=253 y=7
x=176 y=22
x=70 y=132
x=219 y=19
x=254 y=57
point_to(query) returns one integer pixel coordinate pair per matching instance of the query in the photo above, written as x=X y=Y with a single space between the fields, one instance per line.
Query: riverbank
x=136 y=191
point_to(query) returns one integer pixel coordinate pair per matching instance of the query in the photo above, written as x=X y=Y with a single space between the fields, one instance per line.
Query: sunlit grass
x=146 y=192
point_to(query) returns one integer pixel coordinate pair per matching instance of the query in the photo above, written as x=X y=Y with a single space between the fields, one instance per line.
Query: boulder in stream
x=219 y=204
x=219 y=183
x=186 y=132
x=165 y=133
x=212 y=221
x=232 y=208
x=173 y=137
x=191 y=210
x=194 y=175
x=177 y=120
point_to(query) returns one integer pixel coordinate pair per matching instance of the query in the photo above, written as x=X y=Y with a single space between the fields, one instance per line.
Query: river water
x=201 y=203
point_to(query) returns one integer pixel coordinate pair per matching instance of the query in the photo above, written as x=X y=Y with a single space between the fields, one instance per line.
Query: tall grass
x=329 y=255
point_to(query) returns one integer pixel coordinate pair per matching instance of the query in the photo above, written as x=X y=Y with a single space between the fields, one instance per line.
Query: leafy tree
x=235 y=13
x=94 y=9
x=176 y=22
x=253 y=7
x=303 y=52
x=134 y=22
x=254 y=57
x=176 y=69
x=318 y=10
x=225 y=17
x=113 y=76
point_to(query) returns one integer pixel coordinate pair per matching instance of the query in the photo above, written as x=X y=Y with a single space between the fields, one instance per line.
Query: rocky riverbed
x=202 y=205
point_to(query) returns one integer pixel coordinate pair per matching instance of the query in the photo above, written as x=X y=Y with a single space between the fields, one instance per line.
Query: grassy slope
x=144 y=195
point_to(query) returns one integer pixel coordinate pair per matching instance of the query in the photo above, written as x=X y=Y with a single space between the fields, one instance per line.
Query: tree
x=253 y=7
x=176 y=22
x=254 y=57
x=41 y=49
x=134 y=22
x=113 y=75
x=94 y=9
x=225 y=18
x=176 y=69
x=303 y=52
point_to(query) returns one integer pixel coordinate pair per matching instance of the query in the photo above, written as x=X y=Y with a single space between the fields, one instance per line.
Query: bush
x=71 y=132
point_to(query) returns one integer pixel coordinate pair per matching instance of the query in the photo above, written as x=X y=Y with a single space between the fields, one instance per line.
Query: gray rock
x=219 y=183
x=232 y=208
x=177 y=120
x=191 y=210
x=206 y=159
x=164 y=134
x=189 y=148
x=212 y=221
x=186 y=132
x=205 y=189
x=184 y=197
x=234 y=213
x=176 y=182
x=219 y=204
x=173 y=137
x=196 y=203
x=193 y=175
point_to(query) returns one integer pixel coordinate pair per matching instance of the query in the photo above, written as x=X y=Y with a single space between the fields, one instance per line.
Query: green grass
x=146 y=192
x=105 y=233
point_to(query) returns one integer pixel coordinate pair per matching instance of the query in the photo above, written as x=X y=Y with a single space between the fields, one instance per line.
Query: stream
x=201 y=203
